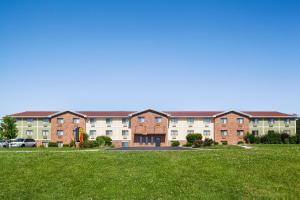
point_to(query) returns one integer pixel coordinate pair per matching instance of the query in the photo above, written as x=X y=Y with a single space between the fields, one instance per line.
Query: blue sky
x=167 y=55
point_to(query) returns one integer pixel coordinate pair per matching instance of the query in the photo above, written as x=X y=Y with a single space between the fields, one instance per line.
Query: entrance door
x=157 y=141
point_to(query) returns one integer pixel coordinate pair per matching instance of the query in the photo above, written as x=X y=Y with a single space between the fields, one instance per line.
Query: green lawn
x=265 y=172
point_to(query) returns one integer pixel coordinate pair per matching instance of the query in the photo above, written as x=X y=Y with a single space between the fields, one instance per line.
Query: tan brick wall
x=232 y=127
x=68 y=126
x=149 y=127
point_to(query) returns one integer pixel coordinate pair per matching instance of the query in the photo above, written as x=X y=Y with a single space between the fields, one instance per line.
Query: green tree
x=8 y=128
x=298 y=131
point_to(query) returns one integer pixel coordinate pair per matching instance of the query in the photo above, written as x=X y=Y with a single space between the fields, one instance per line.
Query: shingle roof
x=33 y=114
x=192 y=113
x=267 y=114
x=106 y=113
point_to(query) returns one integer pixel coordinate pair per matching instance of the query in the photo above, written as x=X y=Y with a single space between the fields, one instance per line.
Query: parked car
x=3 y=143
x=20 y=142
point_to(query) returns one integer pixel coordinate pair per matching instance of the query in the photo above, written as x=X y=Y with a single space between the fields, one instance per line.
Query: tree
x=298 y=131
x=8 y=128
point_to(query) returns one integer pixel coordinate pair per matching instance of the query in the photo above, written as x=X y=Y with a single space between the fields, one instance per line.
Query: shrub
x=66 y=145
x=52 y=144
x=85 y=137
x=104 y=140
x=293 y=139
x=250 y=138
x=273 y=138
x=224 y=142
x=216 y=143
x=240 y=142
x=72 y=143
x=207 y=142
x=193 y=137
x=93 y=144
x=84 y=144
x=175 y=143
x=284 y=138
x=197 y=143
x=188 y=144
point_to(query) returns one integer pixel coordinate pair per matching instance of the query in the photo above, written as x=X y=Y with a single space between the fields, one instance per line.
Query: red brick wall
x=232 y=127
x=149 y=127
x=68 y=126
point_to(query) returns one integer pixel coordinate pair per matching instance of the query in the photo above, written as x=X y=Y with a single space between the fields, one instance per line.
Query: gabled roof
x=268 y=114
x=33 y=114
x=192 y=113
x=149 y=110
x=223 y=113
x=106 y=113
x=67 y=111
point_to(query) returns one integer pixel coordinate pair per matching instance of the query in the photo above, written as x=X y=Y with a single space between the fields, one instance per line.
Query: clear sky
x=167 y=55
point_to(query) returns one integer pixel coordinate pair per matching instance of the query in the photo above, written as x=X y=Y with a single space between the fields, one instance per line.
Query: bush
x=293 y=139
x=52 y=144
x=207 y=142
x=193 y=137
x=224 y=142
x=188 y=144
x=175 y=143
x=72 y=144
x=104 y=140
x=85 y=137
x=84 y=144
x=197 y=143
x=240 y=142
x=249 y=138
x=284 y=138
x=93 y=144
x=66 y=145
x=273 y=138
x=216 y=143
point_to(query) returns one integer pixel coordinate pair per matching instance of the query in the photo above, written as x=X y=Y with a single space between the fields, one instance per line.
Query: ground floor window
x=224 y=133
x=255 y=133
x=174 y=134
x=240 y=133
x=206 y=133
x=29 y=132
x=146 y=139
x=92 y=134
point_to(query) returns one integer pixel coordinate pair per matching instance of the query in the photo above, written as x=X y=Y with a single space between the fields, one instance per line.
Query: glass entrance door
x=157 y=141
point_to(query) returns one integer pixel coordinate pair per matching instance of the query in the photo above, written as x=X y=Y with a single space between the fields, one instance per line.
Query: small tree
x=8 y=128
x=193 y=137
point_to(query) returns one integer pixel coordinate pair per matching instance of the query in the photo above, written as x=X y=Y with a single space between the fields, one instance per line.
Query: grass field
x=264 y=172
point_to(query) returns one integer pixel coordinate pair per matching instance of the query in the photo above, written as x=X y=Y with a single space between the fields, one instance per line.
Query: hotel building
x=151 y=127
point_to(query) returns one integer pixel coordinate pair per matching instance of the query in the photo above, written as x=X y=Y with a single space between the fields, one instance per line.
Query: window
x=60 y=132
x=141 y=119
x=174 y=120
x=240 y=120
x=29 y=120
x=45 y=133
x=224 y=120
x=157 y=119
x=224 y=133
x=60 y=120
x=255 y=133
x=240 y=133
x=146 y=140
x=92 y=120
x=124 y=132
x=287 y=121
x=29 y=132
x=46 y=120
x=141 y=139
x=190 y=131
x=206 y=133
x=108 y=121
x=124 y=120
x=152 y=139
x=92 y=134
x=207 y=120
x=174 y=134
x=287 y=132
x=108 y=132
x=76 y=120
x=271 y=121
x=190 y=120
x=255 y=121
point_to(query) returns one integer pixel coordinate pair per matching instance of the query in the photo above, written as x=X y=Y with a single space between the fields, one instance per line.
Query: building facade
x=151 y=127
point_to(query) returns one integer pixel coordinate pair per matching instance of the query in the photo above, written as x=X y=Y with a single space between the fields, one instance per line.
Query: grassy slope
x=268 y=171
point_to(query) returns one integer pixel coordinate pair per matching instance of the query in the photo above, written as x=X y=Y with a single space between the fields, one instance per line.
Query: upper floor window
x=92 y=120
x=206 y=132
x=124 y=120
x=76 y=120
x=287 y=121
x=124 y=132
x=174 y=120
x=108 y=120
x=240 y=120
x=108 y=132
x=157 y=119
x=60 y=120
x=45 y=133
x=271 y=121
x=29 y=120
x=224 y=120
x=60 y=132
x=46 y=120
x=141 y=119
x=255 y=121
x=207 y=120
x=190 y=120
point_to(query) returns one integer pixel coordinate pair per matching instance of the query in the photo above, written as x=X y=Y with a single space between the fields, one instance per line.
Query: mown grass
x=265 y=172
